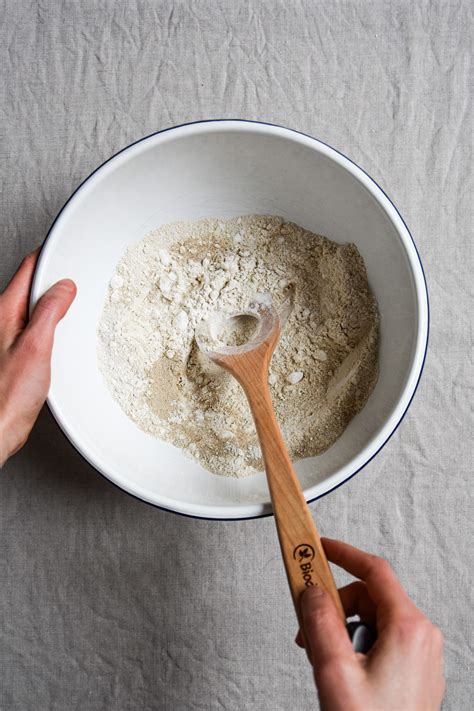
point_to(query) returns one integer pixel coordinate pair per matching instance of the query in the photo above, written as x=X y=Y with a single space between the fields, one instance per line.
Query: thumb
x=49 y=310
x=327 y=641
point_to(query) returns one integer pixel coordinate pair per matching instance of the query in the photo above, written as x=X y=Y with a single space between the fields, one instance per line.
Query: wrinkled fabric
x=107 y=603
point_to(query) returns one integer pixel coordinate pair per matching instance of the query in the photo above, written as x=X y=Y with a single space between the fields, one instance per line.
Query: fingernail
x=67 y=284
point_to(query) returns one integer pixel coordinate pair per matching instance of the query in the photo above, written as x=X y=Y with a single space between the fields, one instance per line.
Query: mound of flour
x=323 y=369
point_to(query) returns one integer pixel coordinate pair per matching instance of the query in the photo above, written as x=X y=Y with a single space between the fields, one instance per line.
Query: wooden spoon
x=305 y=561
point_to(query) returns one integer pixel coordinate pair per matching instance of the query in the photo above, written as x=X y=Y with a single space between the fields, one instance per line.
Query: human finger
x=14 y=299
x=382 y=584
x=49 y=310
x=324 y=631
x=356 y=600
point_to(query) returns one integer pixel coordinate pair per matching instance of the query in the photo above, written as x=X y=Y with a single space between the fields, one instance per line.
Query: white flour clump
x=323 y=369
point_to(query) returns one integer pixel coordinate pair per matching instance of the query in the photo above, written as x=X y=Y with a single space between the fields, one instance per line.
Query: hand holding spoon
x=303 y=555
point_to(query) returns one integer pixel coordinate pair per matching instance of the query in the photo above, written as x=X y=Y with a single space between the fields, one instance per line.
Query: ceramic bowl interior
x=224 y=169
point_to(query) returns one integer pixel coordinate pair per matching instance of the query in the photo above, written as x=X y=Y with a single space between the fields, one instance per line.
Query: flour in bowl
x=322 y=372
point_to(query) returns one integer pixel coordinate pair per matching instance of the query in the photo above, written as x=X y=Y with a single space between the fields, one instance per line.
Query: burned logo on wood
x=304 y=554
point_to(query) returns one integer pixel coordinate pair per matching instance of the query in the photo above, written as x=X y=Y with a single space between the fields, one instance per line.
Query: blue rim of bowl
x=307 y=135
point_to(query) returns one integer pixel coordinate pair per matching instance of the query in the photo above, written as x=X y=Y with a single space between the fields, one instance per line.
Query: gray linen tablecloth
x=105 y=602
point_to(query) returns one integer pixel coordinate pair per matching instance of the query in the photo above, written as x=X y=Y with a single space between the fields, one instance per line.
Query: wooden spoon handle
x=305 y=561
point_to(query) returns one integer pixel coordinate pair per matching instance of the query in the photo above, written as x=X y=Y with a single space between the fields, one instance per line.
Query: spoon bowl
x=209 y=332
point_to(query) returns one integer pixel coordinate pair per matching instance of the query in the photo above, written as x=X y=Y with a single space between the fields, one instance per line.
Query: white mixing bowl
x=224 y=169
